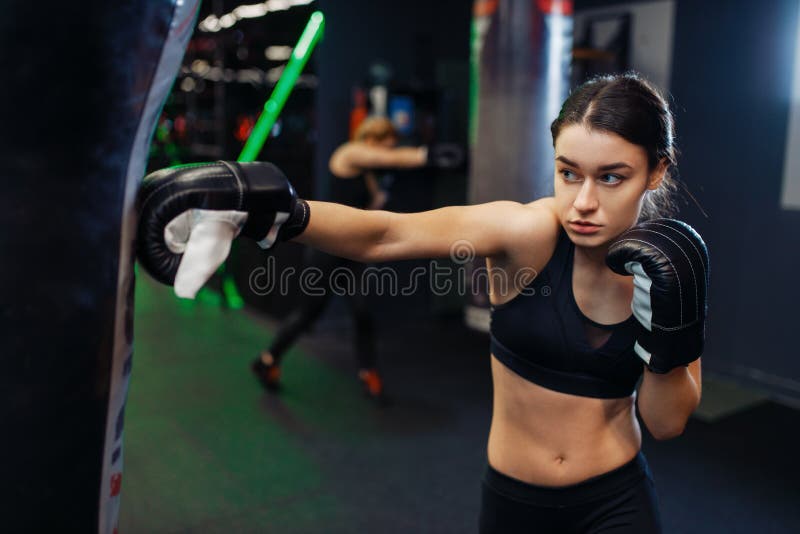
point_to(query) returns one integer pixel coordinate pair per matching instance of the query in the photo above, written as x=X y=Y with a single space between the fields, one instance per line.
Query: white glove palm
x=204 y=238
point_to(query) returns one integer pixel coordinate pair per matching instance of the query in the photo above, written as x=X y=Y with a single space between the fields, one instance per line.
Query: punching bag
x=521 y=51
x=83 y=86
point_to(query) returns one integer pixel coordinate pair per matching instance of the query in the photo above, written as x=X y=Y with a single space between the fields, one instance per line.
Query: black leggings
x=311 y=307
x=622 y=501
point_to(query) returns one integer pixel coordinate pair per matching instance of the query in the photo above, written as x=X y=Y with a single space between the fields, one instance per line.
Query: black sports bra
x=540 y=335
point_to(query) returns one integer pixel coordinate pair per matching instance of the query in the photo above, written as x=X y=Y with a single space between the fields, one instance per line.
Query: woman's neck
x=592 y=259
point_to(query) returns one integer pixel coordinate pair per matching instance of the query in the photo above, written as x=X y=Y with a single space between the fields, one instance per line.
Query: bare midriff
x=549 y=438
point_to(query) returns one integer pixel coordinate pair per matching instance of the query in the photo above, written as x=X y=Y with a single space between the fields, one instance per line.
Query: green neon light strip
x=273 y=106
x=474 y=80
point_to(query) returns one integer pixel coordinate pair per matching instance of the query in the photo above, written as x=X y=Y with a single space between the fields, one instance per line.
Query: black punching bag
x=83 y=85
x=521 y=52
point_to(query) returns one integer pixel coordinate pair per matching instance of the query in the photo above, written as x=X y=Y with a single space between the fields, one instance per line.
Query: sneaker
x=268 y=374
x=372 y=383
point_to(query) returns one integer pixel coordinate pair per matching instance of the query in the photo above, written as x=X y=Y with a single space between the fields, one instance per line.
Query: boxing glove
x=254 y=197
x=670 y=267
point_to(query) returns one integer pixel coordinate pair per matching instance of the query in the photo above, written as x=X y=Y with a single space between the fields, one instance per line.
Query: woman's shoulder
x=543 y=210
x=533 y=231
x=540 y=220
x=544 y=203
x=341 y=161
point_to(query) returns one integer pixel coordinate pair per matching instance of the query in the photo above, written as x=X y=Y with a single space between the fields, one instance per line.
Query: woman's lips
x=581 y=227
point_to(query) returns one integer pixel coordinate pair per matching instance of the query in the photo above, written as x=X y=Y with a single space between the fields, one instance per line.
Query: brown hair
x=633 y=108
x=376 y=128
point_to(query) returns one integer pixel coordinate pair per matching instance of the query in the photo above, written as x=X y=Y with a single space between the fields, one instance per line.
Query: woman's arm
x=669 y=263
x=667 y=400
x=351 y=159
x=491 y=229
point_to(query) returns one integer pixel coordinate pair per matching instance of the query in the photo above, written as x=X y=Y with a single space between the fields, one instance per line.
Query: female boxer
x=566 y=353
x=564 y=445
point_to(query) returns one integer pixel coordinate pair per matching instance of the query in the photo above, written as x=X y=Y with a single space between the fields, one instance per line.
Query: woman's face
x=600 y=182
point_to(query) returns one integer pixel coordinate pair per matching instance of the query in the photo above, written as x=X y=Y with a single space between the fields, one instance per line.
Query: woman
x=560 y=458
x=566 y=353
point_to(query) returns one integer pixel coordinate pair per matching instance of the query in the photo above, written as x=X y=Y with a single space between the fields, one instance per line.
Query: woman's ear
x=657 y=176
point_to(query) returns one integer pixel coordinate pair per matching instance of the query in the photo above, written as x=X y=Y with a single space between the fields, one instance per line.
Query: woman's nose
x=587 y=197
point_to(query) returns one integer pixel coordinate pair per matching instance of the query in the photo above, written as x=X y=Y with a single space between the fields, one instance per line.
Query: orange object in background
x=359 y=111
x=484 y=8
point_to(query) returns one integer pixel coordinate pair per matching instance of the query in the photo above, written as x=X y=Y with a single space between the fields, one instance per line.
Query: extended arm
x=190 y=214
x=372 y=236
x=352 y=159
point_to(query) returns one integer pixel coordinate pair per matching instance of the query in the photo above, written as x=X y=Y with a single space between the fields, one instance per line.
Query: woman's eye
x=569 y=176
x=610 y=179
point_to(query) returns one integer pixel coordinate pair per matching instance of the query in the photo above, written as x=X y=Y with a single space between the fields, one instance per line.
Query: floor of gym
x=207 y=450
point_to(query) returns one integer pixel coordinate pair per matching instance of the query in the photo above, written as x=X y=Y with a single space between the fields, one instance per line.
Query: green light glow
x=474 y=81
x=232 y=296
x=273 y=106
x=309 y=39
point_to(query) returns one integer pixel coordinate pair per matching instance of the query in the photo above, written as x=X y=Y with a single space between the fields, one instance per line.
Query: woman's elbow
x=663 y=429
x=663 y=432
x=380 y=251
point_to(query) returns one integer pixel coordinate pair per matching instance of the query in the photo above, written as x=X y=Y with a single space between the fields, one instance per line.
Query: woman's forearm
x=344 y=231
x=667 y=400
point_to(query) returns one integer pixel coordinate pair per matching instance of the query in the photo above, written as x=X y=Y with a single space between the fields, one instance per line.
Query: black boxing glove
x=670 y=267
x=256 y=195
x=445 y=156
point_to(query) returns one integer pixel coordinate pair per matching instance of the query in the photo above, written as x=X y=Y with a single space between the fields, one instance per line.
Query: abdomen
x=549 y=438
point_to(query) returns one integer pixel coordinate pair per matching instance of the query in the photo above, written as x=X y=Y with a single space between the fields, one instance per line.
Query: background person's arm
x=354 y=158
